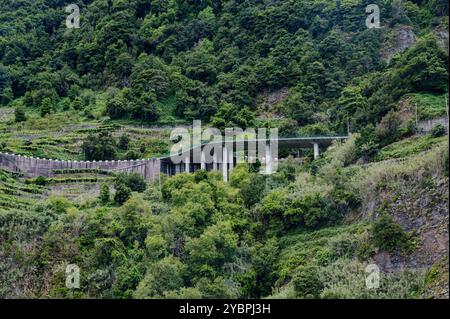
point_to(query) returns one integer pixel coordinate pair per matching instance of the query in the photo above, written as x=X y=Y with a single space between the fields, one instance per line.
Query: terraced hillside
x=373 y=207
x=16 y=194
x=61 y=136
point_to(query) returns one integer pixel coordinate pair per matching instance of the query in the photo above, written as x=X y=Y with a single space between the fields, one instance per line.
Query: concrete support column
x=231 y=159
x=225 y=165
x=268 y=159
x=202 y=160
x=316 y=150
x=187 y=163
x=215 y=164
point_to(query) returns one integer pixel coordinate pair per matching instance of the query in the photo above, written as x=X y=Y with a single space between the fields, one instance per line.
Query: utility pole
x=348 y=126
x=446 y=109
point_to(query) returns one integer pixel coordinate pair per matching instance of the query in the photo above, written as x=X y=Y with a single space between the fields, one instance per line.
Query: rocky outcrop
x=421 y=209
x=402 y=38
x=441 y=34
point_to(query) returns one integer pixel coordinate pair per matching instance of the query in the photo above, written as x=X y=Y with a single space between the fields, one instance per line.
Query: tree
x=124 y=142
x=438 y=130
x=162 y=276
x=388 y=131
x=388 y=235
x=5 y=85
x=307 y=283
x=212 y=249
x=265 y=263
x=353 y=107
x=367 y=144
x=46 y=106
x=104 y=194
x=146 y=108
x=131 y=155
x=134 y=181
x=123 y=193
x=117 y=107
x=200 y=64
x=229 y=115
x=100 y=147
x=19 y=115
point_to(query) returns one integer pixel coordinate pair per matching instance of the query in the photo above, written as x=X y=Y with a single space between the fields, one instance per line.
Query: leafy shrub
x=367 y=143
x=104 y=194
x=438 y=130
x=46 y=106
x=134 y=181
x=19 y=115
x=58 y=205
x=219 y=288
x=41 y=181
x=346 y=279
x=124 y=142
x=162 y=276
x=100 y=147
x=388 y=131
x=132 y=155
x=307 y=283
x=388 y=235
x=123 y=193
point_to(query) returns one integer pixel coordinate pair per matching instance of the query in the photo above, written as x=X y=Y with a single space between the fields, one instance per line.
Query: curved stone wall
x=34 y=167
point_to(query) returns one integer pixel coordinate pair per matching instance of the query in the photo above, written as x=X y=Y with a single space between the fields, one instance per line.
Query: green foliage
x=131 y=155
x=429 y=105
x=388 y=129
x=104 y=196
x=265 y=264
x=134 y=181
x=42 y=181
x=347 y=280
x=123 y=193
x=46 y=107
x=19 y=115
x=58 y=205
x=307 y=283
x=438 y=131
x=408 y=147
x=291 y=234
x=162 y=276
x=124 y=142
x=230 y=115
x=100 y=147
x=208 y=253
x=367 y=143
x=388 y=235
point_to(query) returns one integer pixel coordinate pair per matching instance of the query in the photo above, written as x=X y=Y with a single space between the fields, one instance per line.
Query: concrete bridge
x=151 y=168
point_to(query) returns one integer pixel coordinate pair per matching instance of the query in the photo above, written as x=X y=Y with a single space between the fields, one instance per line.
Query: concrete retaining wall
x=34 y=167
x=426 y=126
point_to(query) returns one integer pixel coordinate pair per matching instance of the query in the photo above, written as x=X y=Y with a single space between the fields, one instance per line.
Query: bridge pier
x=268 y=159
x=202 y=160
x=215 y=164
x=231 y=160
x=225 y=165
x=187 y=164
x=316 y=150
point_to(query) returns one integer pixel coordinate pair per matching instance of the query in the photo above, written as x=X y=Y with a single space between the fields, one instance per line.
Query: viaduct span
x=150 y=168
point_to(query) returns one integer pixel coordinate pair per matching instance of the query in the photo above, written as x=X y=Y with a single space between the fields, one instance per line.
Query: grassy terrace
x=61 y=135
x=16 y=194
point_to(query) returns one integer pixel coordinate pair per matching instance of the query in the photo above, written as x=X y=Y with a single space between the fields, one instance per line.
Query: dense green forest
x=112 y=89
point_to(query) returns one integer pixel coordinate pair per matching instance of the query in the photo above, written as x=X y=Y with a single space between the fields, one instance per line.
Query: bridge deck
x=148 y=168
